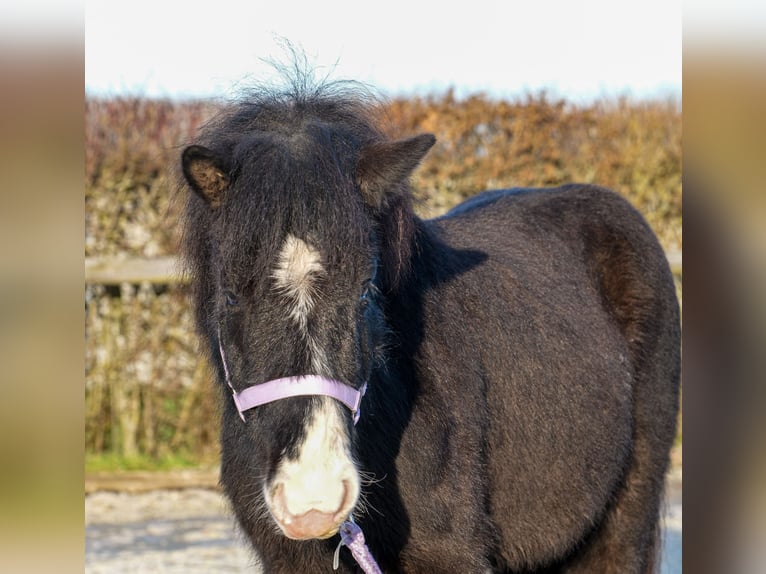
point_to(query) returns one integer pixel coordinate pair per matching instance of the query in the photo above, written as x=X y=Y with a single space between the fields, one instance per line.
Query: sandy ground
x=190 y=530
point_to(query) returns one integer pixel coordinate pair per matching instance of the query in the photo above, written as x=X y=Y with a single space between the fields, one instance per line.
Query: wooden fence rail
x=114 y=270
x=167 y=270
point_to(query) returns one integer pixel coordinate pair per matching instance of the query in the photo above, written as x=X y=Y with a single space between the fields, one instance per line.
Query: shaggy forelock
x=346 y=105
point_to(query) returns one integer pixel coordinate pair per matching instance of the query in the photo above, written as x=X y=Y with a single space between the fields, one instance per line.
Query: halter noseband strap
x=305 y=385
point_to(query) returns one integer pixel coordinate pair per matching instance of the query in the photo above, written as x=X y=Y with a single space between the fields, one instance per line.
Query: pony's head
x=298 y=219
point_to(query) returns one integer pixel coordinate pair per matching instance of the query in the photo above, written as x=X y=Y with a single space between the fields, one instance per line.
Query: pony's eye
x=231 y=299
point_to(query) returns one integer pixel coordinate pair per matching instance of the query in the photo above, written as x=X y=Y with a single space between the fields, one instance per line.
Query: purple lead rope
x=352 y=537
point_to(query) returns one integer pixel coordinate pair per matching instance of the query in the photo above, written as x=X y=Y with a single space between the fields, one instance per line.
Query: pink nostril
x=278 y=507
x=347 y=502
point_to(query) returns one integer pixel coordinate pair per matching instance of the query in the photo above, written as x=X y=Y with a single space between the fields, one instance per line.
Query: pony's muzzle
x=311 y=494
x=317 y=519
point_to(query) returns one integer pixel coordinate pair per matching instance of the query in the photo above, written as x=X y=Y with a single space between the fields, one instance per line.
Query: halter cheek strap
x=286 y=387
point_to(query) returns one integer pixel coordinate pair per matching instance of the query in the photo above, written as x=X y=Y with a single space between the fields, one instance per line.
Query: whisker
x=368 y=478
x=364 y=506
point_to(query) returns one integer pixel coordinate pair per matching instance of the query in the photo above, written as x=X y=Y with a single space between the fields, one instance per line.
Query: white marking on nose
x=298 y=267
x=322 y=478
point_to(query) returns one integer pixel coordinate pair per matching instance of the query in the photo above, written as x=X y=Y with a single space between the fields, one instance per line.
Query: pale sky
x=576 y=49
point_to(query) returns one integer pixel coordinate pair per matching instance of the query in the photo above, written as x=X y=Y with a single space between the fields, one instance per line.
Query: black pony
x=520 y=353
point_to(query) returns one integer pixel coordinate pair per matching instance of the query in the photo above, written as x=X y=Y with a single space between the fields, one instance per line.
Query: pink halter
x=305 y=385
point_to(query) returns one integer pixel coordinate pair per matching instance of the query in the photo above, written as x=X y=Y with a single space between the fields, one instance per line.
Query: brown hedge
x=633 y=148
x=132 y=146
x=148 y=393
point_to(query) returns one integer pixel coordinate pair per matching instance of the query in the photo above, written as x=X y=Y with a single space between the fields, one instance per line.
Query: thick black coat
x=537 y=351
x=523 y=403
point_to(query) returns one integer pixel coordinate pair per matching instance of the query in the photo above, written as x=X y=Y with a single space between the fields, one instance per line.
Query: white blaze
x=323 y=477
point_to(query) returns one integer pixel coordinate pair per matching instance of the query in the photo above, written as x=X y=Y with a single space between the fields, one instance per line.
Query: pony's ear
x=382 y=167
x=206 y=173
